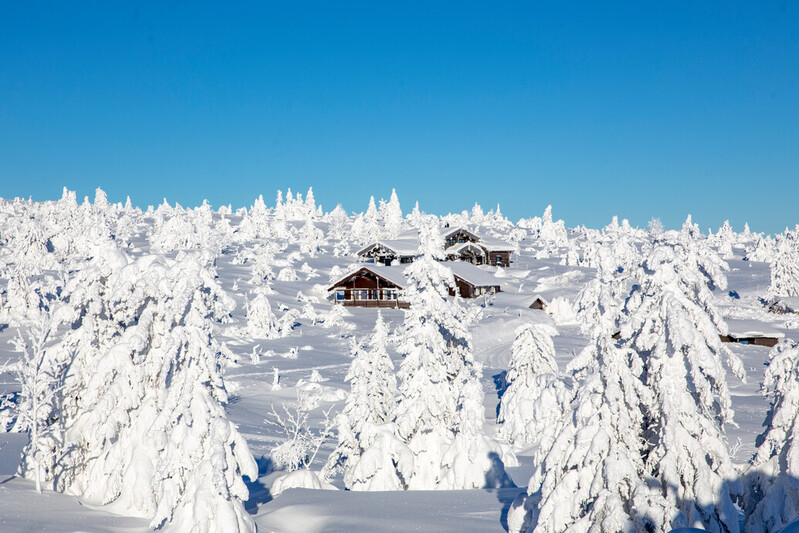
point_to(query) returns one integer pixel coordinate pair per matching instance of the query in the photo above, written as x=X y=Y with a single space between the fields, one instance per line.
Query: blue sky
x=630 y=109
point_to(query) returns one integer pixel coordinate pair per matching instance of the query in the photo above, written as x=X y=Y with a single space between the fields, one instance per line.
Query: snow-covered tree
x=600 y=300
x=773 y=499
x=366 y=227
x=672 y=329
x=142 y=404
x=261 y=321
x=435 y=377
x=391 y=214
x=785 y=267
x=311 y=238
x=529 y=408
x=39 y=374
x=588 y=478
x=370 y=401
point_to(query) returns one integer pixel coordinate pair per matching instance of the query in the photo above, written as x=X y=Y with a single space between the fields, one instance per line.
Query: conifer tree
x=773 y=498
x=528 y=409
x=370 y=401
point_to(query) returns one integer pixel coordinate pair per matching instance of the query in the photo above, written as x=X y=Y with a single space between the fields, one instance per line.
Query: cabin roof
x=741 y=329
x=391 y=274
x=789 y=303
x=405 y=247
x=495 y=245
x=473 y=275
x=453 y=231
x=463 y=246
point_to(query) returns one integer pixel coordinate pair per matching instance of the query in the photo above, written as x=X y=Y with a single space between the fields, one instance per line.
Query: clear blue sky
x=630 y=108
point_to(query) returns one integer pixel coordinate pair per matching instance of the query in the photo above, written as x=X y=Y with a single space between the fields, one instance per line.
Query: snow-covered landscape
x=258 y=369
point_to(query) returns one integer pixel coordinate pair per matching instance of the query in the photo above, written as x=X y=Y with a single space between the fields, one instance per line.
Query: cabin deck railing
x=382 y=298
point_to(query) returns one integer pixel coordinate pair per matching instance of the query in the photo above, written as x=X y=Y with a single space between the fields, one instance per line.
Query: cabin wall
x=499 y=258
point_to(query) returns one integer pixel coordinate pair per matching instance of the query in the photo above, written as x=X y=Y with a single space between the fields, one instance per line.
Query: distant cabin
x=380 y=285
x=460 y=244
x=391 y=252
x=784 y=306
x=751 y=332
x=472 y=281
x=539 y=303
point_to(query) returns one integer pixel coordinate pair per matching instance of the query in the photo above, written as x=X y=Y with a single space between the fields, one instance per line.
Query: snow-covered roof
x=787 y=303
x=453 y=231
x=472 y=274
x=739 y=329
x=400 y=247
x=495 y=245
x=461 y=247
x=392 y=274
x=517 y=300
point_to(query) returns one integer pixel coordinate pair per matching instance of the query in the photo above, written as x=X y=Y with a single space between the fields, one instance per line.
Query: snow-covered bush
x=302 y=442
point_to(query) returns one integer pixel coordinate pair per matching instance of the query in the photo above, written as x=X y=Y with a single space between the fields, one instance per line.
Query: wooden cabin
x=462 y=244
x=757 y=340
x=370 y=286
x=391 y=252
x=459 y=236
x=468 y=252
x=750 y=332
x=459 y=245
x=785 y=306
x=472 y=281
x=539 y=303
x=380 y=286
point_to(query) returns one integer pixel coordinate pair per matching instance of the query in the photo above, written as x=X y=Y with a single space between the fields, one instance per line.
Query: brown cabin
x=539 y=303
x=468 y=289
x=757 y=341
x=370 y=287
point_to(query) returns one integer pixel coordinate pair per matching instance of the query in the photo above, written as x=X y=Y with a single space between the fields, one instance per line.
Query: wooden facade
x=540 y=303
x=757 y=341
x=459 y=244
x=383 y=254
x=467 y=289
x=459 y=236
x=367 y=288
x=501 y=259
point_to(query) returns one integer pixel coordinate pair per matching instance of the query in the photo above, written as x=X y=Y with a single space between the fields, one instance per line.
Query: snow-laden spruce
x=672 y=327
x=438 y=385
x=39 y=374
x=773 y=495
x=588 y=478
x=141 y=410
x=532 y=407
x=600 y=300
x=785 y=266
x=370 y=402
x=261 y=321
